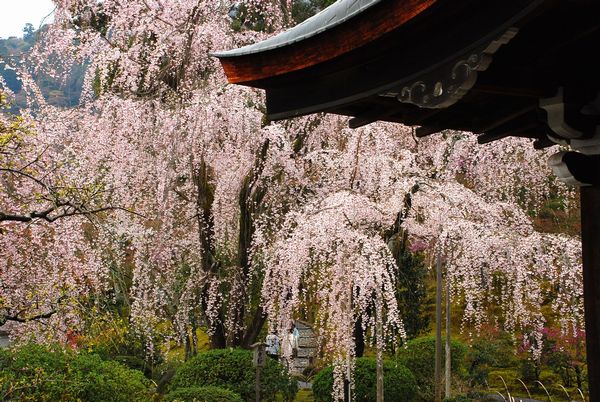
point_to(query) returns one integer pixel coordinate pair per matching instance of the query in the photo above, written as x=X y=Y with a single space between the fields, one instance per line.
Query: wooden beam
x=381 y=113
x=514 y=127
x=417 y=119
x=542 y=143
x=424 y=131
x=510 y=91
x=503 y=117
x=590 y=241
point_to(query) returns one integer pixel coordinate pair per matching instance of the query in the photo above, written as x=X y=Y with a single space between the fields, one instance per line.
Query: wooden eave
x=310 y=44
x=494 y=62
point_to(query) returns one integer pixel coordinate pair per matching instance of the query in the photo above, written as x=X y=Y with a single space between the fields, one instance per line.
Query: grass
x=177 y=352
x=548 y=378
x=304 y=395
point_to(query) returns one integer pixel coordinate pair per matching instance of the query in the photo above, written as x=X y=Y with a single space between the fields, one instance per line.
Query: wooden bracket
x=576 y=168
x=446 y=86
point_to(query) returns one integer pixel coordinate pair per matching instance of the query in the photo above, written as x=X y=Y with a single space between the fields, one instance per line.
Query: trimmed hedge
x=202 y=394
x=50 y=373
x=398 y=382
x=232 y=369
x=419 y=357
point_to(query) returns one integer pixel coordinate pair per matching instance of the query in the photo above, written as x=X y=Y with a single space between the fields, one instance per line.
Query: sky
x=14 y=14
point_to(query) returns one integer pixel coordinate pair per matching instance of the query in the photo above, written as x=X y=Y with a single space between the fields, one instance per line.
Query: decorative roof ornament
x=456 y=81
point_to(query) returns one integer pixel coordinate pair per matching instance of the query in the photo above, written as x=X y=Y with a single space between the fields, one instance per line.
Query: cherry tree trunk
x=590 y=239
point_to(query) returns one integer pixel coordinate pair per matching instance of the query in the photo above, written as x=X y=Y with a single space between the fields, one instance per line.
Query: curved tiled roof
x=334 y=15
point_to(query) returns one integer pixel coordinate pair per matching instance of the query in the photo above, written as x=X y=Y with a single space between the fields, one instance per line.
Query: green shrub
x=398 y=382
x=105 y=380
x=232 y=369
x=41 y=373
x=110 y=336
x=202 y=394
x=530 y=370
x=482 y=356
x=419 y=358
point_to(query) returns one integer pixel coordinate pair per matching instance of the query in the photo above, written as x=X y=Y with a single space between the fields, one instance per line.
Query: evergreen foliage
x=204 y=394
x=232 y=369
x=481 y=357
x=410 y=290
x=50 y=373
x=419 y=357
x=398 y=382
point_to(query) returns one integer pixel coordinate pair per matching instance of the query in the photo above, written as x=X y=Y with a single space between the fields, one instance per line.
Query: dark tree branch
x=20 y=172
x=17 y=317
x=70 y=210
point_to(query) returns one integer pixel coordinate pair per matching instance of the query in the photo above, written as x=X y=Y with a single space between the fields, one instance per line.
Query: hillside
x=57 y=92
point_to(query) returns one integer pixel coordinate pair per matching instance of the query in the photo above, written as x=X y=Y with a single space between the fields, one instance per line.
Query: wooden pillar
x=380 y=391
x=438 y=330
x=590 y=239
x=259 y=359
x=257 y=385
x=448 y=361
x=380 y=346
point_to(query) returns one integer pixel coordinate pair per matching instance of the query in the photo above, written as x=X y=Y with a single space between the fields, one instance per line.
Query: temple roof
x=526 y=68
x=334 y=32
x=338 y=13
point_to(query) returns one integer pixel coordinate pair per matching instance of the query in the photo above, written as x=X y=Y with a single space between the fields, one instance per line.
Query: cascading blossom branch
x=165 y=135
x=495 y=257
x=148 y=48
x=178 y=148
x=331 y=254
